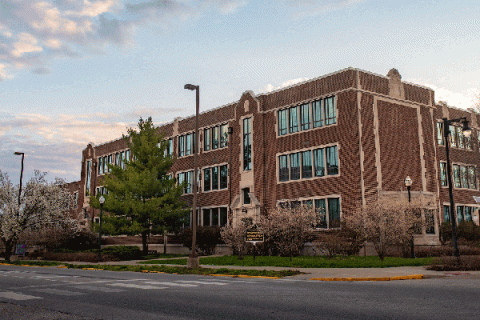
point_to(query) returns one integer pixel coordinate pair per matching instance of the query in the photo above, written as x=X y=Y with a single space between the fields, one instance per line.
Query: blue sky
x=80 y=71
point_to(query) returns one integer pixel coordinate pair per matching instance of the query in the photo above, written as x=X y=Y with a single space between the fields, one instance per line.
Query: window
x=309 y=115
x=305 y=165
x=464 y=213
x=327 y=210
x=283 y=168
x=282 y=122
x=440 y=140
x=223 y=136
x=463 y=176
x=453 y=136
x=456 y=176
x=472 y=178
x=460 y=142
x=75 y=200
x=446 y=213
x=293 y=119
x=463 y=173
x=188 y=178
x=460 y=216
x=214 y=216
x=110 y=161
x=443 y=174
x=89 y=177
x=215 y=137
x=186 y=144
x=207 y=139
x=246 y=196
x=168 y=148
x=215 y=178
x=305 y=116
x=117 y=159
x=295 y=166
x=100 y=165
x=247 y=144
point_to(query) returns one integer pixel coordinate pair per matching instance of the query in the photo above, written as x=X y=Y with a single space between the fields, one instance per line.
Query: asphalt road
x=52 y=293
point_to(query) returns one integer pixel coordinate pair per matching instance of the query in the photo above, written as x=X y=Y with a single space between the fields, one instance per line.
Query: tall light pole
x=102 y=201
x=192 y=260
x=408 y=184
x=446 y=132
x=21 y=174
x=230 y=137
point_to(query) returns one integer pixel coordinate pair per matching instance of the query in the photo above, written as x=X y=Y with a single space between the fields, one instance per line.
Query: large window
x=443 y=174
x=214 y=216
x=463 y=176
x=440 y=139
x=186 y=144
x=215 y=137
x=89 y=177
x=215 y=178
x=308 y=164
x=188 y=178
x=327 y=210
x=314 y=114
x=247 y=144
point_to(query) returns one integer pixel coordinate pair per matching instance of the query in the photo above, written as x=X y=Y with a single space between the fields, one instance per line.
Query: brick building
x=333 y=142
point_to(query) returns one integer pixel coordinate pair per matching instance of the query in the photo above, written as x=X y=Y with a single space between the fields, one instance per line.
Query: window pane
x=459 y=137
x=456 y=176
x=89 y=175
x=293 y=119
x=207 y=138
x=440 y=133
x=463 y=172
x=295 y=166
x=332 y=160
x=188 y=178
x=282 y=122
x=105 y=163
x=215 y=137
x=446 y=213
x=223 y=217
x=224 y=177
x=100 y=165
x=334 y=213
x=472 y=178
x=110 y=161
x=443 y=174
x=317 y=112
x=206 y=179
x=206 y=217
x=321 y=210
x=330 y=117
x=246 y=196
x=319 y=162
x=283 y=168
x=247 y=145
x=306 y=164
x=188 y=144
x=122 y=157
x=181 y=146
x=453 y=136
x=223 y=136
x=214 y=178
x=170 y=147
x=460 y=216
x=214 y=216
x=305 y=116
x=468 y=213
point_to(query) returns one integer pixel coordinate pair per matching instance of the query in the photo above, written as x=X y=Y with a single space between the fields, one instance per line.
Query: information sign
x=254 y=236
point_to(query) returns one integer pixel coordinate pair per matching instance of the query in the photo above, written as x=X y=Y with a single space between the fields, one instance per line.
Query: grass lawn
x=304 y=262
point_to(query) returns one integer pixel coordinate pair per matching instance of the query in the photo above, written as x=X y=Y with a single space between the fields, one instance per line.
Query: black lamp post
x=102 y=201
x=230 y=136
x=446 y=132
x=192 y=260
x=21 y=174
x=408 y=184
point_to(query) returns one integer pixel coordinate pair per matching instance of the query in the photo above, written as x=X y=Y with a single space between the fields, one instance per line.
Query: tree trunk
x=144 y=242
x=8 y=250
x=165 y=239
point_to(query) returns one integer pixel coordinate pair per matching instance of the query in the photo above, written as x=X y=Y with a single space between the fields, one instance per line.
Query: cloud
x=269 y=87
x=34 y=32
x=316 y=7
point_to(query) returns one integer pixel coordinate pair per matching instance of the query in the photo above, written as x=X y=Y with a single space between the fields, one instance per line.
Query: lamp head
x=408 y=181
x=18 y=153
x=101 y=200
x=190 y=87
x=467 y=131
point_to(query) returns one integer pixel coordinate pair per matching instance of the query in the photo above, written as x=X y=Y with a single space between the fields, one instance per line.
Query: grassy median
x=303 y=262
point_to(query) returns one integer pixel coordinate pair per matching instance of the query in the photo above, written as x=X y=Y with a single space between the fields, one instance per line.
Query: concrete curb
x=409 y=277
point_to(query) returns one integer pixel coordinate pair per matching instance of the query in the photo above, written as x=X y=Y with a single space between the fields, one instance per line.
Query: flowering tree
x=387 y=222
x=234 y=237
x=289 y=228
x=42 y=204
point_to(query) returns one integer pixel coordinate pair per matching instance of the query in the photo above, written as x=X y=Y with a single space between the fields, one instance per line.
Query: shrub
x=123 y=252
x=234 y=238
x=345 y=241
x=466 y=231
x=76 y=256
x=464 y=263
x=207 y=239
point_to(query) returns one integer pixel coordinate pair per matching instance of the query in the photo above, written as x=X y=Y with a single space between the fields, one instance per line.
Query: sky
x=80 y=71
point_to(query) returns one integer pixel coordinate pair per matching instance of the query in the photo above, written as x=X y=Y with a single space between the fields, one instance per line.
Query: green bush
x=207 y=239
x=123 y=252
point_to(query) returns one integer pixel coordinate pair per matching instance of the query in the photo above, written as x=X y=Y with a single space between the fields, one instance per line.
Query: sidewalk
x=336 y=274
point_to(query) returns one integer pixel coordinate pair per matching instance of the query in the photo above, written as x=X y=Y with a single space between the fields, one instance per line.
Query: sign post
x=254 y=236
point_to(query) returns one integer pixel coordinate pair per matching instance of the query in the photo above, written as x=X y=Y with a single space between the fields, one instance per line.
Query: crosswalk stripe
x=131 y=285
x=204 y=282
x=60 y=292
x=16 y=296
x=172 y=284
x=101 y=289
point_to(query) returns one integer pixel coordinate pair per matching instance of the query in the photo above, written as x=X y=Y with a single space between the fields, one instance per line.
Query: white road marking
x=204 y=282
x=60 y=292
x=101 y=289
x=172 y=284
x=16 y=296
x=137 y=286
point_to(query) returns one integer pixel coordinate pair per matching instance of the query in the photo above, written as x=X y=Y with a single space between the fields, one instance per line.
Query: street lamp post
x=102 y=201
x=21 y=174
x=408 y=184
x=230 y=136
x=192 y=260
x=446 y=132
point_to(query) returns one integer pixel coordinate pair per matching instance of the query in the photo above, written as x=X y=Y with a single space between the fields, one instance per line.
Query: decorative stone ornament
x=395 y=84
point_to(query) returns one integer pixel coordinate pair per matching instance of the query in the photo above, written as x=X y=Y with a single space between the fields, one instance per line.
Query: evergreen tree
x=143 y=195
